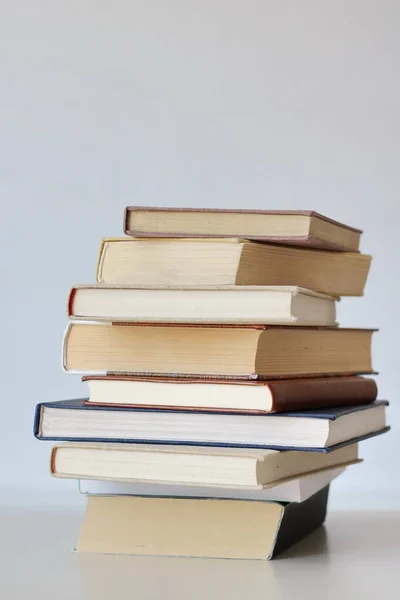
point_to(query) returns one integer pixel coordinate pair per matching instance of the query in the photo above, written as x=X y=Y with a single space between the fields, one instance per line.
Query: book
x=224 y=304
x=279 y=395
x=217 y=262
x=213 y=528
x=237 y=351
x=311 y=430
x=190 y=465
x=296 y=489
x=299 y=228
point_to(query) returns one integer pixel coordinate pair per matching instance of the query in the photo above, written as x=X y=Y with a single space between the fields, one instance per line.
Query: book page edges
x=273 y=484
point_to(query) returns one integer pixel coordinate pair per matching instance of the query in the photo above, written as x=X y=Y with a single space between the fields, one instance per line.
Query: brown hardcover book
x=250 y=397
x=195 y=262
x=224 y=351
x=214 y=528
x=289 y=227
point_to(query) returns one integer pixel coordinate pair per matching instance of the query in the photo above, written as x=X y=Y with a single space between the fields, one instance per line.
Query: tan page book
x=298 y=228
x=211 y=528
x=221 y=262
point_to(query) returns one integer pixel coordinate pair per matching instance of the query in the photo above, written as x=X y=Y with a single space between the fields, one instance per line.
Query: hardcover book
x=220 y=304
x=299 y=228
x=313 y=430
x=279 y=395
x=240 y=468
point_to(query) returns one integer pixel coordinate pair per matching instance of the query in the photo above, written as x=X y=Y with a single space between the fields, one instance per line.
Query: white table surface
x=355 y=555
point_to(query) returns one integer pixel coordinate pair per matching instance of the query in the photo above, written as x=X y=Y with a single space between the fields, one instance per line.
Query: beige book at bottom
x=213 y=528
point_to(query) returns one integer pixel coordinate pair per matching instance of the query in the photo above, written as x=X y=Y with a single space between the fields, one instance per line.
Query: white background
x=225 y=103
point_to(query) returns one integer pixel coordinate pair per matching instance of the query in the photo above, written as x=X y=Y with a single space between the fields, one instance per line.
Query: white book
x=223 y=304
x=293 y=490
x=190 y=465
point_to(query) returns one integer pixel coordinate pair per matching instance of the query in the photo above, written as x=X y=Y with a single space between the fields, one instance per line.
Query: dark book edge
x=209 y=445
x=299 y=520
x=125 y=220
x=36 y=421
x=70 y=301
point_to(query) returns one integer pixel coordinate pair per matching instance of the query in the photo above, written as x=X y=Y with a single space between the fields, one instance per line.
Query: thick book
x=296 y=489
x=240 y=468
x=279 y=395
x=226 y=351
x=214 y=528
x=311 y=430
x=217 y=262
x=223 y=304
x=289 y=227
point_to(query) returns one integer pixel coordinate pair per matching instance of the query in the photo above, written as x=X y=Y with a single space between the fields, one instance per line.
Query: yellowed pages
x=174 y=526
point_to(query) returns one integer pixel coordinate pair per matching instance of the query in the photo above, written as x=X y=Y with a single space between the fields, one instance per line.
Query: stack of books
x=223 y=396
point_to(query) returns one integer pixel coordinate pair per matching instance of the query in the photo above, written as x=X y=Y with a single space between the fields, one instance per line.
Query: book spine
x=36 y=422
x=52 y=464
x=70 y=302
x=125 y=221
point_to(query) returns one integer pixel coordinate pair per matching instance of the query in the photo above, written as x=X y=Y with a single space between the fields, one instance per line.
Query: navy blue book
x=311 y=430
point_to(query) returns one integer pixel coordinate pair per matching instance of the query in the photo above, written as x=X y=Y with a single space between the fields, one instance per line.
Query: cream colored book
x=216 y=262
x=228 y=304
x=214 y=528
x=246 y=351
x=297 y=227
x=190 y=465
